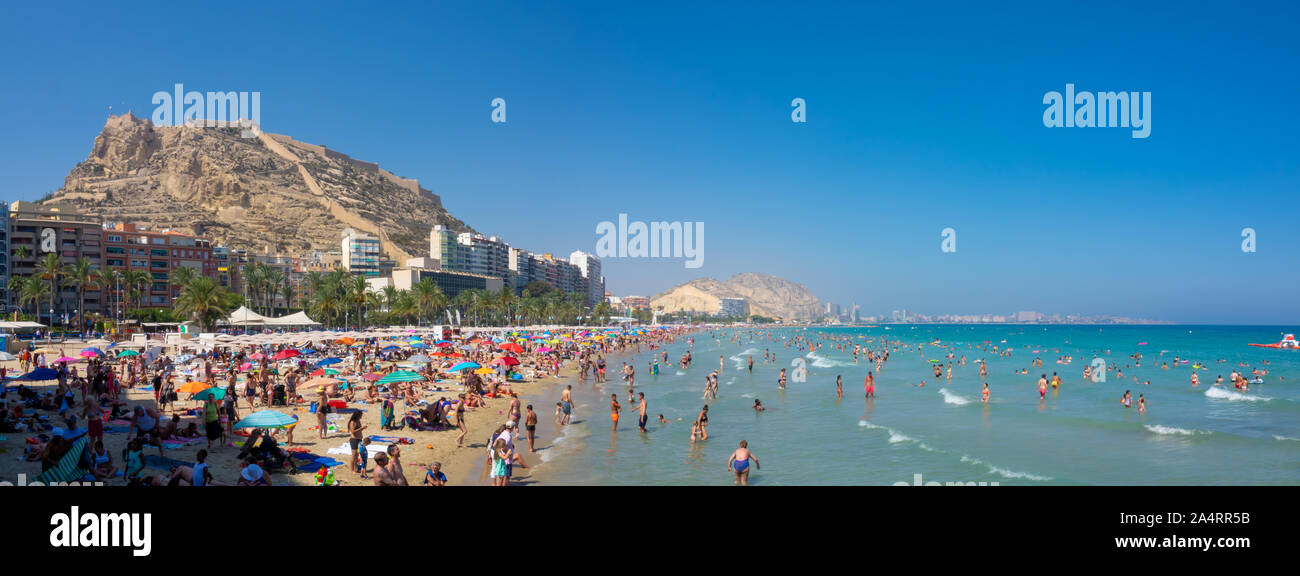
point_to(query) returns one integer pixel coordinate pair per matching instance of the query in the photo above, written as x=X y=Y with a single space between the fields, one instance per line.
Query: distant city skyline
x=917 y=121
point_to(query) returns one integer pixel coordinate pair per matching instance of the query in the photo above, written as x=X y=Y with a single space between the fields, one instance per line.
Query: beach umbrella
x=66 y=359
x=183 y=358
x=324 y=372
x=418 y=358
x=389 y=348
x=327 y=361
x=506 y=361
x=543 y=350
x=266 y=419
x=462 y=366
x=5 y=356
x=40 y=374
x=257 y=356
x=511 y=347
x=245 y=366
x=44 y=350
x=92 y=351
x=401 y=376
x=320 y=381
x=346 y=341
x=192 y=387
x=286 y=354
x=442 y=343
x=420 y=345
x=214 y=392
x=484 y=370
x=371 y=377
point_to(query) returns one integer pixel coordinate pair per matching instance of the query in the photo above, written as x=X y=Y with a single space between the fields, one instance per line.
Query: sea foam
x=1170 y=430
x=1220 y=393
x=1003 y=472
x=952 y=398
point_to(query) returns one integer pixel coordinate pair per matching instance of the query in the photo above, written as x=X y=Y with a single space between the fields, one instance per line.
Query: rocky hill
x=267 y=193
x=765 y=296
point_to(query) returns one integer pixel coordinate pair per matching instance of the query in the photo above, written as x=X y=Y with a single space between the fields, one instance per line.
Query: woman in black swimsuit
x=703 y=422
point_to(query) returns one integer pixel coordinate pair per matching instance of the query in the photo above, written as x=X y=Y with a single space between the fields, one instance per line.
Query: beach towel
x=163 y=462
x=69 y=467
x=392 y=440
x=117 y=429
x=371 y=450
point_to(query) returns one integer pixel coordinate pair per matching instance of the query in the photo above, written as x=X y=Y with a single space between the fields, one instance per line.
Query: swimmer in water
x=1042 y=386
x=1142 y=404
x=1127 y=400
x=839 y=386
x=758 y=405
x=984 y=396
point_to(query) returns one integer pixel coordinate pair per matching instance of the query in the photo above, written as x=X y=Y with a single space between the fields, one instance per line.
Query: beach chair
x=69 y=468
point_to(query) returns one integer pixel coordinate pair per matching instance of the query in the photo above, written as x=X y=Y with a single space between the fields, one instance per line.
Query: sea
x=1080 y=434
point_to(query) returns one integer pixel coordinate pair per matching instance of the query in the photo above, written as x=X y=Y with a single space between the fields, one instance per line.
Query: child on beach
x=362 y=456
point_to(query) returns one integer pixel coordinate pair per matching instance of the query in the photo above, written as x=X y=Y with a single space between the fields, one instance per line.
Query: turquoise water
x=1080 y=434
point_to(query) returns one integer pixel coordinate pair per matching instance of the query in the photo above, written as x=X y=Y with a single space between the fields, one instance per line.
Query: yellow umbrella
x=484 y=370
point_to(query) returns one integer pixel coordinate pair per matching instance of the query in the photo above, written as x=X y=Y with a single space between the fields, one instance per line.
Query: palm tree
x=325 y=305
x=355 y=294
x=271 y=280
x=50 y=270
x=391 y=294
x=31 y=289
x=182 y=276
x=287 y=292
x=428 y=299
x=107 y=279
x=203 y=301
x=251 y=274
x=135 y=283
x=81 y=275
x=18 y=288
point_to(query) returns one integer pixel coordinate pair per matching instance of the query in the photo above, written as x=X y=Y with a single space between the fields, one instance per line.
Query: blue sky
x=920 y=117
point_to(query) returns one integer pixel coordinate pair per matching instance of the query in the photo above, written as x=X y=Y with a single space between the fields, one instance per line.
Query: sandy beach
x=459 y=464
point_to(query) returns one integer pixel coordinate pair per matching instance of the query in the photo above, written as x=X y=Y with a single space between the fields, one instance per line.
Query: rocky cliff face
x=765 y=295
x=264 y=194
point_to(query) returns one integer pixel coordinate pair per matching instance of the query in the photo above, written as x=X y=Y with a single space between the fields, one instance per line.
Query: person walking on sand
x=460 y=421
x=739 y=463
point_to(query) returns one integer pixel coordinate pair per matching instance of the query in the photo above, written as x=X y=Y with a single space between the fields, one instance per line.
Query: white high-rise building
x=467 y=252
x=590 y=267
x=360 y=253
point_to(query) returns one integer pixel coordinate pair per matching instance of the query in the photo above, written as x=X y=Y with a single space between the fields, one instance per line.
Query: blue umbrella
x=308 y=351
x=419 y=345
x=389 y=348
x=40 y=374
x=462 y=366
x=327 y=361
x=215 y=392
x=266 y=419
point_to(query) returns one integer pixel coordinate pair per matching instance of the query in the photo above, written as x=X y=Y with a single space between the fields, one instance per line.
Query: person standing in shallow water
x=739 y=463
